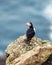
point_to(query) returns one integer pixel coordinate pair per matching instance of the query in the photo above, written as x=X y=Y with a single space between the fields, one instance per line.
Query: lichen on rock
x=34 y=53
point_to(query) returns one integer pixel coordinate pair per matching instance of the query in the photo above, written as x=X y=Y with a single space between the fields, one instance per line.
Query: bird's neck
x=31 y=27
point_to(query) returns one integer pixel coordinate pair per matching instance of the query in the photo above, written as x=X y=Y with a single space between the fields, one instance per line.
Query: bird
x=30 y=31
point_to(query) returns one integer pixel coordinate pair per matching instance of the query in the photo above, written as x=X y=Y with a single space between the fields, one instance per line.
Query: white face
x=28 y=24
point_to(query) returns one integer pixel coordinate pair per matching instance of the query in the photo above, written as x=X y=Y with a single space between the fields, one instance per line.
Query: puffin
x=30 y=31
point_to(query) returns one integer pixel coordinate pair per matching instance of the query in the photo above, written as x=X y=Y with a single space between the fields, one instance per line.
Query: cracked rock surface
x=21 y=52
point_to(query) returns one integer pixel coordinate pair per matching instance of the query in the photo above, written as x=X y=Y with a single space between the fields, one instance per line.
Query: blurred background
x=15 y=13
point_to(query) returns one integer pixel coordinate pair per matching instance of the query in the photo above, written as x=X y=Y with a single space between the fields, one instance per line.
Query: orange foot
x=33 y=39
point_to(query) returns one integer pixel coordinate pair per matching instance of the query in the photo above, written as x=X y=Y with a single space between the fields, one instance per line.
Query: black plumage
x=30 y=32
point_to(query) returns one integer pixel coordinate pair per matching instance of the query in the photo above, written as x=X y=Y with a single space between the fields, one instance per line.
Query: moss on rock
x=20 y=50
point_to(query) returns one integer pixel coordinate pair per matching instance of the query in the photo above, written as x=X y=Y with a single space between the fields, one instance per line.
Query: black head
x=29 y=24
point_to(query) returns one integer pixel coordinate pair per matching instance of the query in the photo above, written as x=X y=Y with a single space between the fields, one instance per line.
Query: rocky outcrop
x=21 y=52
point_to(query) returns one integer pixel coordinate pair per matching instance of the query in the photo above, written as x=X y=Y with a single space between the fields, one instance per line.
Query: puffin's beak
x=28 y=24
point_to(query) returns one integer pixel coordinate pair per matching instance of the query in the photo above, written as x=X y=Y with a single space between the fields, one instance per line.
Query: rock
x=48 y=61
x=20 y=52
